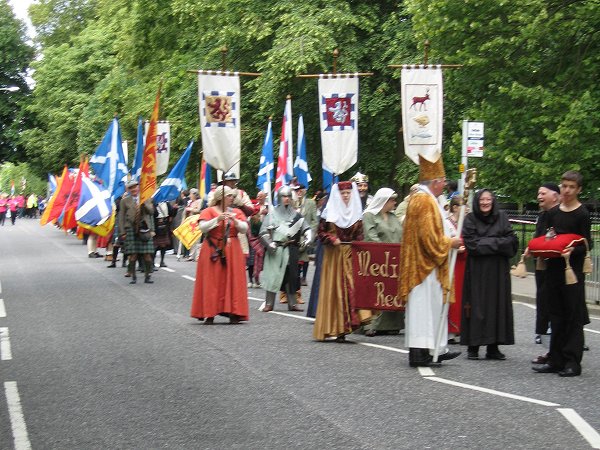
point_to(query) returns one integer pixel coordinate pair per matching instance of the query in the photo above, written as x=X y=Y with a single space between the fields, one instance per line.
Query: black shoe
x=133 y=281
x=162 y=264
x=110 y=266
x=148 y=280
x=448 y=356
x=496 y=355
x=423 y=363
x=541 y=359
x=569 y=372
x=538 y=339
x=473 y=355
x=546 y=368
x=586 y=348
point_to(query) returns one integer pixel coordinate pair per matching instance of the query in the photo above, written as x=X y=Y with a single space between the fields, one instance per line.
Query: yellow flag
x=189 y=231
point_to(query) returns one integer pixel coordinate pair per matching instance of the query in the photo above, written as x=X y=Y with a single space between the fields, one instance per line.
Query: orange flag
x=73 y=201
x=46 y=216
x=148 y=176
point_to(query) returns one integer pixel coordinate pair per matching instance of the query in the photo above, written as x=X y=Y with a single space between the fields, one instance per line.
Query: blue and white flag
x=109 y=163
x=136 y=169
x=267 y=166
x=328 y=179
x=172 y=185
x=51 y=184
x=95 y=203
x=301 y=163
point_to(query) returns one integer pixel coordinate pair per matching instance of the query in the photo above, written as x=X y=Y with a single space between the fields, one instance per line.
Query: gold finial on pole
x=336 y=54
x=224 y=51
x=427 y=44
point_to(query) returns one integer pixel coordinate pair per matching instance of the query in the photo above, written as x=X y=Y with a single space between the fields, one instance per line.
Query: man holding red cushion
x=566 y=302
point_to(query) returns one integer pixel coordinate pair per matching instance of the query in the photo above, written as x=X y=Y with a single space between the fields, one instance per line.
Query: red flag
x=61 y=195
x=71 y=205
x=148 y=176
x=44 y=219
x=284 y=161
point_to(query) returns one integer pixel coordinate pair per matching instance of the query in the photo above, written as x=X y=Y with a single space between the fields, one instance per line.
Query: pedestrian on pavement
x=487 y=315
x=3 y=207
x=340 y=224
x=566 y=302
x=220 y=287
x=424 y=281
x=136 y=225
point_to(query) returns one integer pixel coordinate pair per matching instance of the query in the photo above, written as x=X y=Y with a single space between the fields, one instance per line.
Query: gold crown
x=431 y=170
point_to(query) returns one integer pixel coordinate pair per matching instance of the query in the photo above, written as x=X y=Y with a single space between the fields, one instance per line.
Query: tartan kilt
x=136 y=246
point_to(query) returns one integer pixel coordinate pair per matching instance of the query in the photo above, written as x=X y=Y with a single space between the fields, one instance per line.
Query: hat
x=431 y=170
x=299 y=186
x=194 y=191
x=344 y=185
x=132 y=183
x=230 y=176
x=551 y=186
x=360 y=178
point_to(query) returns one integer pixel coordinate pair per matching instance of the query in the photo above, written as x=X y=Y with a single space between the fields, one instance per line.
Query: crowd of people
x=19 y=206
x=454 y=278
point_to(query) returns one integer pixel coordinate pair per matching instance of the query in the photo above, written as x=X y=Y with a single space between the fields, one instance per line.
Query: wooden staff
x=334 y=74
x=425 y=61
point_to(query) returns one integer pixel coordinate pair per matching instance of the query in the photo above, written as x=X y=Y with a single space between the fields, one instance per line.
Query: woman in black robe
x=487 y=316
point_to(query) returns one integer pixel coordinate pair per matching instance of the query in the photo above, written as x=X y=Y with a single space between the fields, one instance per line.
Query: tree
x=15 y=56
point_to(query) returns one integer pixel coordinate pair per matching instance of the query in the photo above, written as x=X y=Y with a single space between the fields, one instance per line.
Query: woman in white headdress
x=339 y=225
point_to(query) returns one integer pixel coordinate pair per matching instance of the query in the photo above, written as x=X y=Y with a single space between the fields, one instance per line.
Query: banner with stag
x=219 y=100
x=422 y=112
x=338 y=107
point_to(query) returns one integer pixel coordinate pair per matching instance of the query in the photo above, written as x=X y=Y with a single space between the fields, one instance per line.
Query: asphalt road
x=88 y=361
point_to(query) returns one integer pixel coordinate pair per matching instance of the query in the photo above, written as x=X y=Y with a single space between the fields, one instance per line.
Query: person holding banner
x=220 y=287
x=424 y=270
x=380 y=224
x=487 y=315
x=341 y=223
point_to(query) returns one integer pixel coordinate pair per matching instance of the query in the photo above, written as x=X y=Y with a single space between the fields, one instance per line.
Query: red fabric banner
x=375 y=272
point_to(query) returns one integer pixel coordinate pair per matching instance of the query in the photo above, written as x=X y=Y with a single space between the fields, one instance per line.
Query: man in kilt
x=136 y=227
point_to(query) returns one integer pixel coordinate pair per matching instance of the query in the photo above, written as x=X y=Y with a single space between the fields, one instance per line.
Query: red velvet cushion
x=554 y=247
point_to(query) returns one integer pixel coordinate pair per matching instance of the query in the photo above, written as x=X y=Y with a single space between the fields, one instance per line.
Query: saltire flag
x=422 y=112
x=338 y=107
x=189 y=231
x=172 y=185
x=328 y=179
x=267 y=166
x=95 y=203
x=148 y=175
x=285 y=165
x=136 y=169
x=219 y=100
x=301 y=164
x=51 y=184
x=69 y=220
x=12 y=187
x=205 y=179
x=101 y=230
x=109 y=162
x=57 y=203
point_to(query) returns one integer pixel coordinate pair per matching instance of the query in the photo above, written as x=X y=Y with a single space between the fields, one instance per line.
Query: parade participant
x=321 y=200
x=424 y=276
x=283 y=233
x=455 y=309
x=220 y=287
x=3 y=207
x=487 y=315
x=136 y=226
x=242 y=201
x=194 y=206
x=566 y=302
x=256 y=255
x=381 y=225
x=307 y=208
x=548 y=197
x=362 y=183
x=339 y=225
x=13 y=206
x=163 y=216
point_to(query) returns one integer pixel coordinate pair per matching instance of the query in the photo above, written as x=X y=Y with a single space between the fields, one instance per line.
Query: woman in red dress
x=220 y=287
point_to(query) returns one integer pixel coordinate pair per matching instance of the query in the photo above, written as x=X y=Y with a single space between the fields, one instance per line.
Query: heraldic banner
x=219 y=100
x=338 y=109
x=375 y=272
x=422 y=112
x=163 y=145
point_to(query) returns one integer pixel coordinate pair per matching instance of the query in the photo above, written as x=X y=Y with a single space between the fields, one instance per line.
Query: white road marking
x=0 y=287
x=426 y=371
x=524 y=304
x=187 y=277
x=5 y=352
x=279 y=313
x=492 y=391
x=582 y=426
x=166 y=269
x=15 y=412
x=384 y=347
x=591 y=331
x=2 y=308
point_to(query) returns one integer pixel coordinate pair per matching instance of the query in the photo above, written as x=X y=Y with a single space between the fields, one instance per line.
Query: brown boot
x=299 y=297
x=283 y=297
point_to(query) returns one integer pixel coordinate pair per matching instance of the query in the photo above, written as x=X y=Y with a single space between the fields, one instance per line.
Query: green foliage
x=23 y=176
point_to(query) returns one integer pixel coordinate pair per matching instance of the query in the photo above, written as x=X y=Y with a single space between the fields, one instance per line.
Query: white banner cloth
x=338 y=109
x=422 y=112
x=163 y=145
x=219 y=100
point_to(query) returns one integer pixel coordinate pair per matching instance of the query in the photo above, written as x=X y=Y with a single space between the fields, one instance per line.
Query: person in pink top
x=3 y=207
x=13 y=206
x=20 y=204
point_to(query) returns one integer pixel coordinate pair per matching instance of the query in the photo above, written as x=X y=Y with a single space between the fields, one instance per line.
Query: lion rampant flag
x=189 y=231
x=148 y=176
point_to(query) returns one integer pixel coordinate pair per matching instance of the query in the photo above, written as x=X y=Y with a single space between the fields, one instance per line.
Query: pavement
x=523 y=290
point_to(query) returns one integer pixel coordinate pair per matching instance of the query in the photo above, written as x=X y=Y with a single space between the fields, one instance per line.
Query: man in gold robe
x=424 y=282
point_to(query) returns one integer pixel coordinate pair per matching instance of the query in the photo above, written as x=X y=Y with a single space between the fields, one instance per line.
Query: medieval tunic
x=220 y=286
x=423 y=281
x=487 y=316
